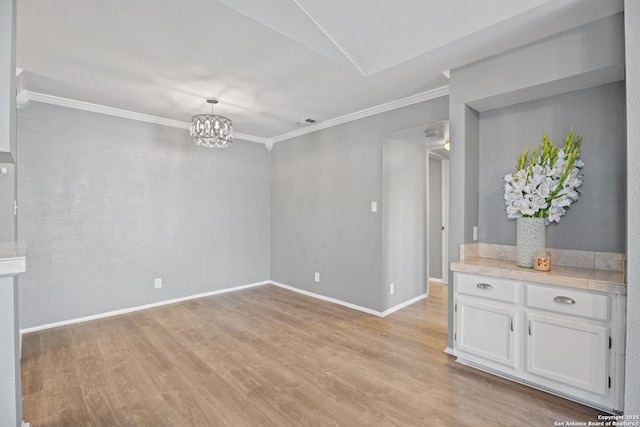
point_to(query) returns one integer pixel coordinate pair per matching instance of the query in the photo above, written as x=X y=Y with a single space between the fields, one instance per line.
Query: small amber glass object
x=542 y=260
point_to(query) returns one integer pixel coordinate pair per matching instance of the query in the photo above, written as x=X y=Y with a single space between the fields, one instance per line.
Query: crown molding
x=252 y=138
x=26 y=96
x=102 y=109
x=382 y=108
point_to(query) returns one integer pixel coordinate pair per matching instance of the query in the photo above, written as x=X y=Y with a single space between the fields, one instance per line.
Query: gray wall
x=322 y=186
x=597 y=220
x=7 y=119
x=435 y=218
x=632 y=39
x=8 y=81
x=10 y=387
x=584 y=57
x=7 y=197
x=109 y=204
x=404 y=221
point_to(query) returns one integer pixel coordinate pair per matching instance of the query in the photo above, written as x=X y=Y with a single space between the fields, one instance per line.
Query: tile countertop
x=13 y=258
x=583 y=278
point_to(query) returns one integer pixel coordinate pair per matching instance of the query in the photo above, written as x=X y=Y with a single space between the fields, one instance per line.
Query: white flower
x=574 y=181
x=545 y=188
x=555 y=213
x=513 y=212
x=518 y=186
x=561 y=202
x=538 y=202
x=573 y=195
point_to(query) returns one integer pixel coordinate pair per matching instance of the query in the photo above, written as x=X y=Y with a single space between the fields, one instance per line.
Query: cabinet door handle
x=511 y=323
x=484 y=286
x=564 y=300
x=529 y=327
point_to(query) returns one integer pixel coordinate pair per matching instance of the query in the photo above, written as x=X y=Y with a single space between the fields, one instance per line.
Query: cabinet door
x=485 y=330
x=572 y=353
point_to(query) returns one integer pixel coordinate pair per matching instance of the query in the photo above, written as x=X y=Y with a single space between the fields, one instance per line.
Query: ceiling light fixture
x=447 y=146
x=209 y=130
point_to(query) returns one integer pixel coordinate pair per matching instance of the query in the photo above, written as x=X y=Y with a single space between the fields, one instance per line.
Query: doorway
x=437 y=144
x=438 y=216
x=415 y=209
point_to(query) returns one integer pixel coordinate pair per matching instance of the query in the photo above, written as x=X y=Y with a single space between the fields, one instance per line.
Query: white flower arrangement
x=546 y=184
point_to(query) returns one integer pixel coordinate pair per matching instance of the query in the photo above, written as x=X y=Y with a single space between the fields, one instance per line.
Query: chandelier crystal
x=209 y=130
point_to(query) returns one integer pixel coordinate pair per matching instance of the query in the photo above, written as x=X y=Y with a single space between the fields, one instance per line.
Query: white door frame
x=445 y=221
x=427 y=217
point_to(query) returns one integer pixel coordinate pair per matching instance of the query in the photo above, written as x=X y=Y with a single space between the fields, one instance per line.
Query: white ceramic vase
x=530 y=237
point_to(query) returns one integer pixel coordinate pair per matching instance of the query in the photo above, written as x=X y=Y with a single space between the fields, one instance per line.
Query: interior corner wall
x=10 y=380
x=592 y=55
x=322 y=186
x=404 y=221
x=463 y=183
x=596 y=222
x=109 y=204
x=632 y=40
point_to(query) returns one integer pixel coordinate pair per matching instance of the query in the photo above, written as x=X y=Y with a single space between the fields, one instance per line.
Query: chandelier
x=209 y=130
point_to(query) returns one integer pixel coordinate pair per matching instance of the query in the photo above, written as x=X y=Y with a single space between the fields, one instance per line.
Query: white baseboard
x=329 y=299
x=403 y=305
x=132 y=309
x=220 y=291
x=435 y=279
x=449 y=350
x=348 y=304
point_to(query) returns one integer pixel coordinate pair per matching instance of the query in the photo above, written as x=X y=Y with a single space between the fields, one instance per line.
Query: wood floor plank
x=270 y=357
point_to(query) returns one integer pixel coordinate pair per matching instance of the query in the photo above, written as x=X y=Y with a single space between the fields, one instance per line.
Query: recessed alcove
x=596 y=222
x=514 y=97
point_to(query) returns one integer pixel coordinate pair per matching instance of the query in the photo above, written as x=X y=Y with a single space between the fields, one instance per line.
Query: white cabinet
x=567 y=355
x=486 y=330
x=563 y=340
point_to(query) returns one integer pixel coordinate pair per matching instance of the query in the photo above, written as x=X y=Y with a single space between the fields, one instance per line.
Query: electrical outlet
x=392 y=288
x=374 y=206
x=316 y=277
x=475 y=233
x=158 y=282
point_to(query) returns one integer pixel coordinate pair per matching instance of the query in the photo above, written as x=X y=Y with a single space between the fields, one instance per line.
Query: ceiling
x=271 y=63
x=431 y=136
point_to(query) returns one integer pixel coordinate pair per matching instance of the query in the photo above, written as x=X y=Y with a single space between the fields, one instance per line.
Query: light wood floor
x=270 y=357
